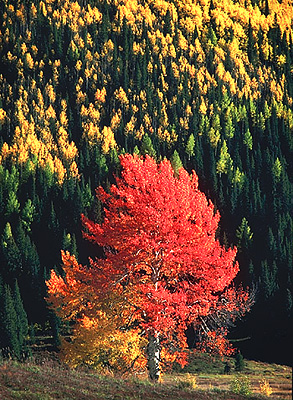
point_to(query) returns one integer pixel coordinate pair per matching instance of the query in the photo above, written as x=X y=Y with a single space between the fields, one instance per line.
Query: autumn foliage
x=163 y=268
x=101 y=336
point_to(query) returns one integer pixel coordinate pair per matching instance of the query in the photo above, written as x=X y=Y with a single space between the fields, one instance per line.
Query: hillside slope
x=50 y=381
x=205 y=83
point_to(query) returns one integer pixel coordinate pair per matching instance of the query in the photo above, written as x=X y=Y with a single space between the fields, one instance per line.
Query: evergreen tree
x=176 y=162
x=9 y=339
x=239 y=362
x=27 y=215
x=11 y=256
x=244 y=235
x=147 y=146
x=190 y=146
x=22 y=321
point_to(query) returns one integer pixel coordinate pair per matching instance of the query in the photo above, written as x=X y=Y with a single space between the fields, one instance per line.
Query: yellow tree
x=104 y=334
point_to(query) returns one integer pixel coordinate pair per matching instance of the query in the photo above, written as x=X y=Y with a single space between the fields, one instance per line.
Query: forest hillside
x=206 y=83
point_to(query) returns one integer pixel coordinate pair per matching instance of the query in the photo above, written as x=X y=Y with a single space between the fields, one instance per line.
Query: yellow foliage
x=100 y=95
x=121 y=96
x=59 y=170
x=50 y=112
x=116 y=120
x=78 y=65
x=101 y=337
x=99 y=344
x=108 y=139
x=29 y=61
x=3 y=116
x=50 y=93
x=203 y=107
x=129 y=128
x=183 y=46
x=265 y=388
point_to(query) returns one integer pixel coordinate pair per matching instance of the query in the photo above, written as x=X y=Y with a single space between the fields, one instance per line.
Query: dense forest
x=206 y=83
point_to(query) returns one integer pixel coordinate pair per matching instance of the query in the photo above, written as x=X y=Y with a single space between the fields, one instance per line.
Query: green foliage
x=13 y=205
x=248 y=139
x=277 y=169
x=190 y=146
x=147 y=147
x=239 y=362
x=225 y=162
x=27 y=215
x=22 y=321
x=269 y=278
x=69 y=243
x=9 y=339
x=176 y=161
x=244 y=234
x=10 y=252
x=241 y=385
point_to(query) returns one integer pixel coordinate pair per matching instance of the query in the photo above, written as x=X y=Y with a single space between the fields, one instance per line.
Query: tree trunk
x=154 y=357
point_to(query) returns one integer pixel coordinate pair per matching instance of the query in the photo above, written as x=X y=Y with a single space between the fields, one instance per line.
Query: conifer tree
x=190 y=146
x=22 y=321
x=147 y=146
x=11 y=256
x=176 y=162
x=9 y=340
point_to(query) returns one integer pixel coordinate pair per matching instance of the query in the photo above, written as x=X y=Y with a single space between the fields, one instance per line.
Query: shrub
x=241 y=385
x=265 y=388
x=186 y=382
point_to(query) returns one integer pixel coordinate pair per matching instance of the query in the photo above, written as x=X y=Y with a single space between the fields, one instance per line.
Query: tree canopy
x=161 y=256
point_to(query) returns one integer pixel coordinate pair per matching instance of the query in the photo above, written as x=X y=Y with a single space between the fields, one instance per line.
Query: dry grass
x=48 y=380
x=210 y=376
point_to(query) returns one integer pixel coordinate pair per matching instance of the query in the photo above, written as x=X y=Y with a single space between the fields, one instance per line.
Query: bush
x=265 y=388
x=241 y=385
x=188 y=382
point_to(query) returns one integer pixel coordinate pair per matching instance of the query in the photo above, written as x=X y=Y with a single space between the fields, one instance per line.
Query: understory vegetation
x=204 y=379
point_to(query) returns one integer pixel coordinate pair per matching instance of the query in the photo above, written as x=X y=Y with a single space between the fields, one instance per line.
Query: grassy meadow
x=203 y=379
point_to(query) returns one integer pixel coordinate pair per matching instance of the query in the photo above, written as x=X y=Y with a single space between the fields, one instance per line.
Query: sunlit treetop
x=123 y=67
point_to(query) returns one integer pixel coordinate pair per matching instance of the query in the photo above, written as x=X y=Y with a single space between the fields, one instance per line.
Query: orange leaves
x=101 y=337
x=121 y=96
x=56 y=284
x=100 y=95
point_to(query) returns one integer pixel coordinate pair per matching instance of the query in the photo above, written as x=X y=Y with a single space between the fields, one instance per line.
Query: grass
x=203 y=379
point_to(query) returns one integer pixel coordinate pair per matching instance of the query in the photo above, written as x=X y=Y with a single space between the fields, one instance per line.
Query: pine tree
x=147 y=146
x=244 y=235
x=22 y=321
x=9 y=340
x=11 y=256
x=190 y=146
x=239 y=362
x=176 y=162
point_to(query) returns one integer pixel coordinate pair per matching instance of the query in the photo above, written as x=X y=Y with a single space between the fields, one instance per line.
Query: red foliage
x=160 y=248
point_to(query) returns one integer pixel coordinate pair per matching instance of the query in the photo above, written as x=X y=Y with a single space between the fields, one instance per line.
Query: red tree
x=161 y=253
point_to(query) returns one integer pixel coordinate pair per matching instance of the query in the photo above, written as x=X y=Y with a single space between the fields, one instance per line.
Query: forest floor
x=46 y=379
